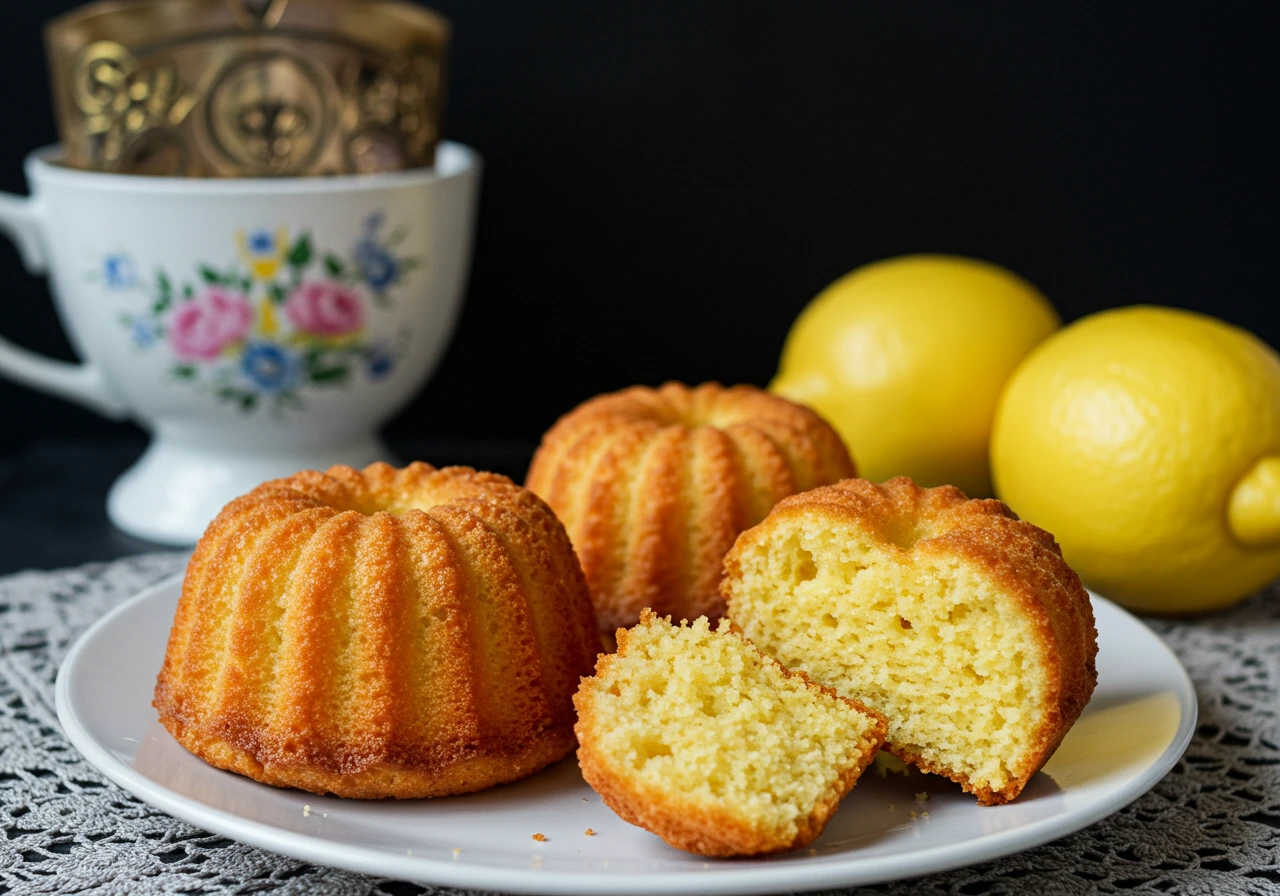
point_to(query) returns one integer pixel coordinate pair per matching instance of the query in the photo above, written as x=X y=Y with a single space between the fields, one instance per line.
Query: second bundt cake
x=404 y=633
x=959 y=622
x=653 y=485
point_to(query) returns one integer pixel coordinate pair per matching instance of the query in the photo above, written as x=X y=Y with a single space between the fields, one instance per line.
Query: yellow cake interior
x=700 y=714
x=926 y=639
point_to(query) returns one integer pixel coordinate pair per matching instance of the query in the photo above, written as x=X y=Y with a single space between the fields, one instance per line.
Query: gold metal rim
x=213 y=88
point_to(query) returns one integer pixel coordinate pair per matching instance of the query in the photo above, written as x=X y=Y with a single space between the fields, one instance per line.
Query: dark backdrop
x=667 y=183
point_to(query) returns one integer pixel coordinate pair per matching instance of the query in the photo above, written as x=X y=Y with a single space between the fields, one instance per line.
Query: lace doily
x=1212 y=826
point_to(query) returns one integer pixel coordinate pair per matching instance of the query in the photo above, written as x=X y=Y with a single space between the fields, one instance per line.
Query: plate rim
x=823 y=872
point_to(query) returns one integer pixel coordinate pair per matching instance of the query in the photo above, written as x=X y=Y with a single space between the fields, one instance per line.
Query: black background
x=668 y=183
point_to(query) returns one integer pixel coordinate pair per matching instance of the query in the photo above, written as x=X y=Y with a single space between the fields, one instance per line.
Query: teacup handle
x=24 y=221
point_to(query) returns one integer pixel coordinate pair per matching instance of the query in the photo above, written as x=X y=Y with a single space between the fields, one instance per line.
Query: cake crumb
x=922 y=797
x=891 y=807
x=589 y=832
x=924 y=814
x=584 y=799
x=913 y=813
x=456 y=852
x=540 y=838
x=306 y=809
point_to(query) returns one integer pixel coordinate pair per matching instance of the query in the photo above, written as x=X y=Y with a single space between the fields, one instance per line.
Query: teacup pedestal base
x=177 y=487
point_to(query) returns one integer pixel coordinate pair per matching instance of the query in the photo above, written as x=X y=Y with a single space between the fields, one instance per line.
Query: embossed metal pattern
x=248 y=88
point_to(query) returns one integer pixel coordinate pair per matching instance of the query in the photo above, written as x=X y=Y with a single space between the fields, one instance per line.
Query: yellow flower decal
x=268 y=325
x=263 y=251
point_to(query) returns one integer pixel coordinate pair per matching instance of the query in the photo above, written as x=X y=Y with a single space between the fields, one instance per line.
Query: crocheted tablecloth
x=1211 y=826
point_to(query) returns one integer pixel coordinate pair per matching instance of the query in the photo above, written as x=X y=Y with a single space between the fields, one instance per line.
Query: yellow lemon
x=906 y=358
x=1147 y=440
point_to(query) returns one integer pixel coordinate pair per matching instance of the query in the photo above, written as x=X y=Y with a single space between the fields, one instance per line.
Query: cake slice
x=958 y=621
x=693 y=734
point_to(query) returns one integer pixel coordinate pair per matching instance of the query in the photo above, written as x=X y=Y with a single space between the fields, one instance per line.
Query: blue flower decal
x=379 y=361
x=261 y=242
x=142 y=332
x=377 y=265
x=119 y=272
x=270 y=367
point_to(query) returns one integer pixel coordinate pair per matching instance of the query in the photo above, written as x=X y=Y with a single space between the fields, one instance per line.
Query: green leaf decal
x=300 y=254
x=209 y=275
x=276 y=291
x=329 y=375
x=164 y=293
x=333 y=265
x=184 y=371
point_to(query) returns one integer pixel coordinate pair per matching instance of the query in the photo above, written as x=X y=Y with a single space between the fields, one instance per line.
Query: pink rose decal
x=326 y=309
x=205 y=326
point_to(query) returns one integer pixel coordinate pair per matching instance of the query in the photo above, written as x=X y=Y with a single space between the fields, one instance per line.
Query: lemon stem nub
x=1253 y=510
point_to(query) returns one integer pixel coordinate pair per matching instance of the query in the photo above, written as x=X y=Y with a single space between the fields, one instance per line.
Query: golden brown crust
x=334 y=635
x=653 y=486
x=1022 y=558
x=465 y=771
x=686 y=823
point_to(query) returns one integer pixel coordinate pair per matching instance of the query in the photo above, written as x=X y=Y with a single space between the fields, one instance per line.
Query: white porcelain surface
x=255 y=326
x=1137 y=725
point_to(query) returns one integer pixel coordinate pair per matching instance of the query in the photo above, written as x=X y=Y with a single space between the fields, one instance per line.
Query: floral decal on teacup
x=282 y=319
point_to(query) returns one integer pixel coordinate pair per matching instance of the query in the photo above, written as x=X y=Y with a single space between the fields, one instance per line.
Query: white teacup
x=255 y=326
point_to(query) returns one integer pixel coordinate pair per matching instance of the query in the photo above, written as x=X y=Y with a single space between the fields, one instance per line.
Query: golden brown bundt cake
x=653 y=485
x=405 y=633
x=692 y=733
x=958 y=621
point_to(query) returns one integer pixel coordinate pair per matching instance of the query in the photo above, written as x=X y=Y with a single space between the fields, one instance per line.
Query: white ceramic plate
x=1137 y=725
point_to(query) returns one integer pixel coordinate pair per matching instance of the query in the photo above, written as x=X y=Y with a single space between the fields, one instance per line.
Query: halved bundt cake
x=404 y=633
x=692 y=733
x=958 y=621
x=653 y=486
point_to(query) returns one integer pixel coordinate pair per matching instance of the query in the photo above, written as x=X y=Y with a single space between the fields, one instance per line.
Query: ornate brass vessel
x=248 y=88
